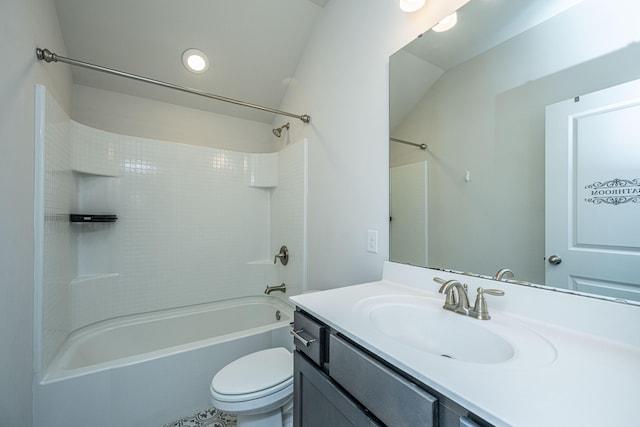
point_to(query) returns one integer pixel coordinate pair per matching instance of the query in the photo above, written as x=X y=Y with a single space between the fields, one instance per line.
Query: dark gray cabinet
x=337 y=383
x=394 y=400
x=319 y=402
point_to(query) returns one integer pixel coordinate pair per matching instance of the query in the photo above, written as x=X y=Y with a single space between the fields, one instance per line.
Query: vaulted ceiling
x=253 y=46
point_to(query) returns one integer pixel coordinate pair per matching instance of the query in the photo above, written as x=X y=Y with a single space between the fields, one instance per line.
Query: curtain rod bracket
x=48 y=56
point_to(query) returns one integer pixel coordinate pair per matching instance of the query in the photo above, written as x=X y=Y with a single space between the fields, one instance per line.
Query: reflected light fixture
x=411 y=5
x=446 y=23
x=195 y=60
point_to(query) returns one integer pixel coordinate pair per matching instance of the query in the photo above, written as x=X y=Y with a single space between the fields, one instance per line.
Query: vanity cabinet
x=338 y=383
x=320 y=402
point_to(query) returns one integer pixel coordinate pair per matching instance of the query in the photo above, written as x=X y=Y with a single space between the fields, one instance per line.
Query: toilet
x=258 y=388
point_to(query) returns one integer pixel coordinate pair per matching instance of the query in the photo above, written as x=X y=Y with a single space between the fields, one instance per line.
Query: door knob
x=555 y=260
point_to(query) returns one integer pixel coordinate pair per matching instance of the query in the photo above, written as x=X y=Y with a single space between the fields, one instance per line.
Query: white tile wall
x=263 y=169
x=288 y=215
x=188 y=225
x=100 y=157
x=195 y=224
x=59 y=262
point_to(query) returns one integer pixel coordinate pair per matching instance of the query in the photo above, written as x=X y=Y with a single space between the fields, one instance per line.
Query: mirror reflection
x=481 y=195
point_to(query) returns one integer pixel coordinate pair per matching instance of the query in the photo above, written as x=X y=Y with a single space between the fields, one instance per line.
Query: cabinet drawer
x=389 y=396
x=309 y=337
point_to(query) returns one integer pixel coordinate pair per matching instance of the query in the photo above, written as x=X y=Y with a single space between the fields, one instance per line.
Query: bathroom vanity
x=387 y=353
x=357 y=388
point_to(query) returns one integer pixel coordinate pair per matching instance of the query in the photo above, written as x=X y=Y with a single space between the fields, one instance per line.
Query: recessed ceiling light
x=195 y=60
x=411 y=5
x=446 y=24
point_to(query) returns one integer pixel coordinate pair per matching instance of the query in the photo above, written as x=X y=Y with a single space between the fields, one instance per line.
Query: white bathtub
x=147 y=370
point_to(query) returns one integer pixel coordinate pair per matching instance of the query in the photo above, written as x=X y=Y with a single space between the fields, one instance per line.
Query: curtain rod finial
x=46 y=55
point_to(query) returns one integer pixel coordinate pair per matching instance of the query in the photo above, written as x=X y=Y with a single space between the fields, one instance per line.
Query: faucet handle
x=283 y=255
x=496 y=292
x=480 y=310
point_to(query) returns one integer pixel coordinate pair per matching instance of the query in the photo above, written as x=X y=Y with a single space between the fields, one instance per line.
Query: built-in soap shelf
x=97 y=173
x=263 y=170
x=88 y=292
x=101 y=279
x=93 y=156
x=96 y=198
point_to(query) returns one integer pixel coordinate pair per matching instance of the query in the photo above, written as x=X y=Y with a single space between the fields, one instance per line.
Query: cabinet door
x=319 y=403
x=392 y=398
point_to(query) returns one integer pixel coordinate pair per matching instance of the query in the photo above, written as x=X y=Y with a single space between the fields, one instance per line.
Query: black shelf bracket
x=92 y=218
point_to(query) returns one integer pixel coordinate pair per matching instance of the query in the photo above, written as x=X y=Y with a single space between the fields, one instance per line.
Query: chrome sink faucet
x=457 y=299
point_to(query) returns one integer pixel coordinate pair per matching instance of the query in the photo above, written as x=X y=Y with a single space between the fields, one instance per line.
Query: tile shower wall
x=187 y=225
x=288 y=216
x=59 y=241
x=195 y=224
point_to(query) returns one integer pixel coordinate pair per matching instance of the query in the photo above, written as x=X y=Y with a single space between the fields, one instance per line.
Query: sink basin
x=433 y=330
x=421 y=324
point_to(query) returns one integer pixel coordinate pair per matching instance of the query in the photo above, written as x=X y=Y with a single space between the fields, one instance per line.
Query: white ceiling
x=482 y=25
x=254 y=47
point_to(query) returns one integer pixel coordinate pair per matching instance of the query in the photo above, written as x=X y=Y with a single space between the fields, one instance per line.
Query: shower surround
x=195 y=224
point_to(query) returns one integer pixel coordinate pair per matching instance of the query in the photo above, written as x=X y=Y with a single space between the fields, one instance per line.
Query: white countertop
x=591 y=377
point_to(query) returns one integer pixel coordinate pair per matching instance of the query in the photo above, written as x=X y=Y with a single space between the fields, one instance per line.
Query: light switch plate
x=372 y=241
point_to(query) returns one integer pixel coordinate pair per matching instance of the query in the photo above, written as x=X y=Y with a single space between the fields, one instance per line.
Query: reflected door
x=592 y=187
x=408 y=214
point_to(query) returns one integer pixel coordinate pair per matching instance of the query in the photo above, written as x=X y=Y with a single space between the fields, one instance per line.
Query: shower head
x=278 y=131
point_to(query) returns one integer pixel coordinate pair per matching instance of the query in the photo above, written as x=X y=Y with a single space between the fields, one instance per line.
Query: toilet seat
x=231 y=398
x=254 y=376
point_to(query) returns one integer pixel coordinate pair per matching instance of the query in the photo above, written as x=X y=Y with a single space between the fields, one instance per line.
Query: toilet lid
x=254 y=372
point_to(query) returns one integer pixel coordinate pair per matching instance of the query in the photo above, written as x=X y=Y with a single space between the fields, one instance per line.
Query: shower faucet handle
x=283 y=255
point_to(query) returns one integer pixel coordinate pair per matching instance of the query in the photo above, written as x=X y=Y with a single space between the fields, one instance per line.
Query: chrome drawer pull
x=302 y=340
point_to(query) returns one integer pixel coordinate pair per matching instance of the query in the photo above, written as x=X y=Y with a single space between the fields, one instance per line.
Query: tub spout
x=281 y=288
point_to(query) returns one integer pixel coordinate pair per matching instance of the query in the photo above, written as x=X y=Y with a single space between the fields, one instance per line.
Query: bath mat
x=207 y=418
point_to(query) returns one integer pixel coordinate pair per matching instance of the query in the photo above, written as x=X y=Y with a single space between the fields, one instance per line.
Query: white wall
x=342 y=82
x=487 y=116
x=288 y=217
x=24 y=25
x=134 y=116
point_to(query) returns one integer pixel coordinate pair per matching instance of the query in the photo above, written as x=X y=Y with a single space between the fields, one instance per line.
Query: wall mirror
x=477 y=96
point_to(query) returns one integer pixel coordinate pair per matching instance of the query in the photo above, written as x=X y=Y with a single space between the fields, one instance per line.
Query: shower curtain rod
x=48 y=56
x=402 y=141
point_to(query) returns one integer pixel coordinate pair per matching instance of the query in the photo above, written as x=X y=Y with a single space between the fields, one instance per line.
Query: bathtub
x=153 y=368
